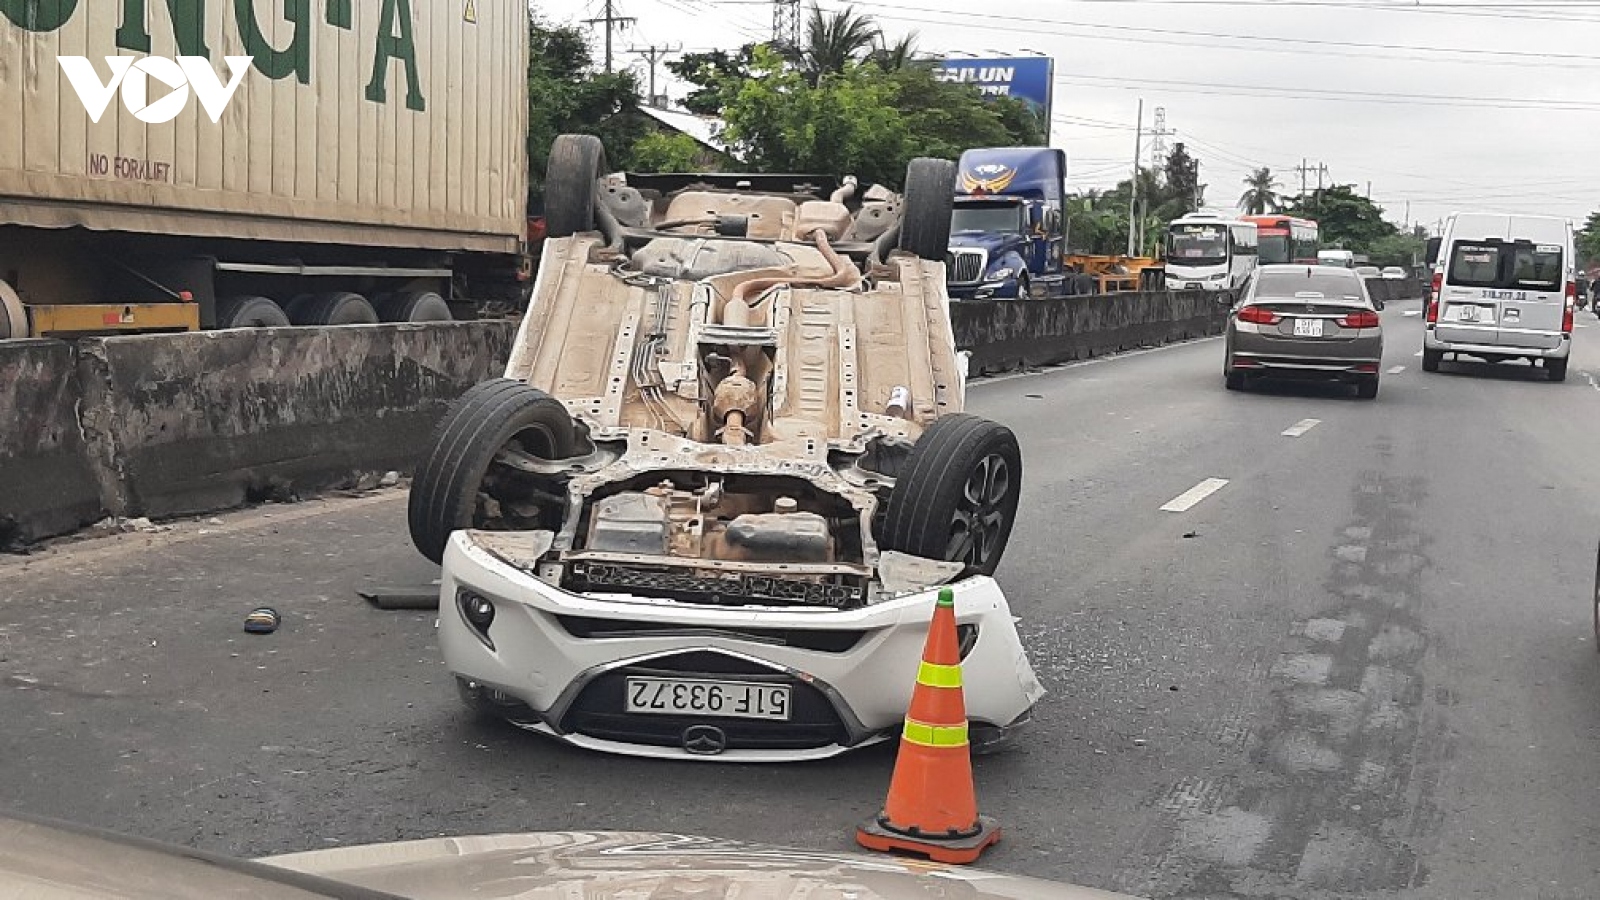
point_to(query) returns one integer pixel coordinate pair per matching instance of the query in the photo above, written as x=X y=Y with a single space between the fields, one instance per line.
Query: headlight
x=1218 y=276
x=1001 y=274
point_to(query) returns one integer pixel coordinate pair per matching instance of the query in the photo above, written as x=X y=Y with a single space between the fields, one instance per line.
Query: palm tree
x=902 y=54
x=835 y=40
x=1260 y=197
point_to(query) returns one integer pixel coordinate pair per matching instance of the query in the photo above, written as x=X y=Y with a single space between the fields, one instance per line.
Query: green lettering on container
x=294 y=59
x=188 y=27
x=38 y=16
x=339 y=13
x=391 y=46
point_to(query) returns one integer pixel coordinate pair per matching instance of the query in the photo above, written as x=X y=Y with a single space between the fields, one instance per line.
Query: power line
x=1300 y=93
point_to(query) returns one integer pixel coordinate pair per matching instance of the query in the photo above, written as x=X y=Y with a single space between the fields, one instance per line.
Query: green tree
x=834 y=41
x=566 y=95
x=1181 y=188
x=901 y=54
x=661 y=151
x=1588 y=239
x=1344 y=218
x=1260 y=196
x=712 y=74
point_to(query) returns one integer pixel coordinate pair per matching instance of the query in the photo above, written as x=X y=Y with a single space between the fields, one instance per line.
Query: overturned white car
x=707 y=511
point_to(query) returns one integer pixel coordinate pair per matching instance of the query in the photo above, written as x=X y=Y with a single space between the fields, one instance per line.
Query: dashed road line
x=1396 y=370
x=1187 y=500
x=1418 y=353
x=1301 y=427
x=1412 y=312
x=1592 y=383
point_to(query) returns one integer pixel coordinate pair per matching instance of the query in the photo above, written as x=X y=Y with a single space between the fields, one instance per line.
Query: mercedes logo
x=704 y=740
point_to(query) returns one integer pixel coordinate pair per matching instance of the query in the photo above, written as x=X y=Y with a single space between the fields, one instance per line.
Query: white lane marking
x=981 y=380
x=1592 y=382
x=1412 y=312
x=1418 y=353
x=1396 y=370
x=1187 y=500
x=1301 y=427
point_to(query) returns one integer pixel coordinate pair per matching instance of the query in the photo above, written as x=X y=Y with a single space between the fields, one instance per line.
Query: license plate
x=1474 y=314
x=1194 y=285
x=736 y=699
x=1308 y=328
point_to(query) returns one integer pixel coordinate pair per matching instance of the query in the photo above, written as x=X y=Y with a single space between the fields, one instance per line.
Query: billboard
x=1027 y=78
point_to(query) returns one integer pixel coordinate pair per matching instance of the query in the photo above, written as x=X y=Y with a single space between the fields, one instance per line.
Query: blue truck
x=1007 y=231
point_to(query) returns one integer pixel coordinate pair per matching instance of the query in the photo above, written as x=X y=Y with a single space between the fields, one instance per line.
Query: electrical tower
x=785 y=23
x=613 y=22
x=1305 y=170
x=653 y=56
x=1158 y=139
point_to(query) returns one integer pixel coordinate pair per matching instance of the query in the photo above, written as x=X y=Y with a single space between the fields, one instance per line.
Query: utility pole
x=1133 y=200
x=1408 y=216
x=1322 y=169
x=786 y=23
x=1302 y=170
x=654 y=55
x=1369 y=190
x=1197 y=185
x=613 y=22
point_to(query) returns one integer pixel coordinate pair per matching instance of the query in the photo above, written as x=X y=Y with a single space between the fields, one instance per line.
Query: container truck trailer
x=175 y=165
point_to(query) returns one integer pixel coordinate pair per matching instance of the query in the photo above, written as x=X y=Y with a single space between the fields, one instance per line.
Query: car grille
x=598 y=711
x=965 y=266
x=824 y=641
x=727 y=588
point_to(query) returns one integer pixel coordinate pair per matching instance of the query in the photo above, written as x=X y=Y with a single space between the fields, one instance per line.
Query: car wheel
x=335 y=308
x=1024 y=288
x=577 y=161
x=956 y=497
x=1234 y=381
x=250 y=312
x=1367 y=389
x=463 y=482
x=929 y=196
x=412 y=306
x=13 y=316
x=1431 y=359
x=1555 y=369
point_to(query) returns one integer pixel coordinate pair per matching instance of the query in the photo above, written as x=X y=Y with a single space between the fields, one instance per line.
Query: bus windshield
x=1275 y=249
x=1198 y=245
x=987 y=217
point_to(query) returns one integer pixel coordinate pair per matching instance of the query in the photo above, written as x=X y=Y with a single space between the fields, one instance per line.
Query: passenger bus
x=1210 y=253
x=1285 y=239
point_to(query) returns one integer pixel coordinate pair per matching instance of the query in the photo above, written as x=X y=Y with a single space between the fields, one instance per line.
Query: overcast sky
x=1447 y=104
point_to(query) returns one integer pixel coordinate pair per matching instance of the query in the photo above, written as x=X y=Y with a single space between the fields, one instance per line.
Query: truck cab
x=1007 y=238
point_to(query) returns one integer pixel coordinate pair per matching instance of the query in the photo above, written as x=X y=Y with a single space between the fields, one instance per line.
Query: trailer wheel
x=250 y=312
x=335 y=308
x=929 y=195
x=956 y=496
x=461 y=482
x=13 y=317
x=412 y=306
x=577 y=161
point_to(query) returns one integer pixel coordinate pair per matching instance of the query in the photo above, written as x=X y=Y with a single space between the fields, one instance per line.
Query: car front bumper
x=559 y=662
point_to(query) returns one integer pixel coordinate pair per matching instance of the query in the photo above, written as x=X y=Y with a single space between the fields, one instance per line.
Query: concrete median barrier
x=1007 y=334
x=47 y=485
x=168 y=425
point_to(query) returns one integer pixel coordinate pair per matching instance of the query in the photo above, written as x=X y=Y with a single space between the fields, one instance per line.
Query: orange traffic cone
x=932 y=809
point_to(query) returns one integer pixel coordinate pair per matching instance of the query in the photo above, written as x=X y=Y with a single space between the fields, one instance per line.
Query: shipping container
x=167 y=161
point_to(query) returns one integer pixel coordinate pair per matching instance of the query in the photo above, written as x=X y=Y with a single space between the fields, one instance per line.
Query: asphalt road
x=1362 y=667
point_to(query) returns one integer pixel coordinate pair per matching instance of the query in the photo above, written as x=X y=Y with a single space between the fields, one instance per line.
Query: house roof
x=704 y=129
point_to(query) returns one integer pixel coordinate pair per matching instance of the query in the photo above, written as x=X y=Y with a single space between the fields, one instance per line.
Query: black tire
x=1233 y=381
x=577 y=161
x=1367 y=389
x=13 y=317
x=1024 y=287
x=1431 y=360
x=246 y=311
x=1555 y=369
x=445 y=491
x=333 y=308
x=933 y=514
x=929 y=196
x=412 y=306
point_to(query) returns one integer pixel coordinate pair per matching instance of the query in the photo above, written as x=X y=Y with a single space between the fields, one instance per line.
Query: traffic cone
x=932 y=808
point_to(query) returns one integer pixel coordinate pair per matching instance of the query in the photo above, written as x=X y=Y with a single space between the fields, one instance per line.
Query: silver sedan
x=1314 y=322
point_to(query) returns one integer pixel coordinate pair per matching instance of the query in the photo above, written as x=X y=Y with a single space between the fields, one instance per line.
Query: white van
x=1504 y=287
x=1345 y=258
x=1210 y=253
